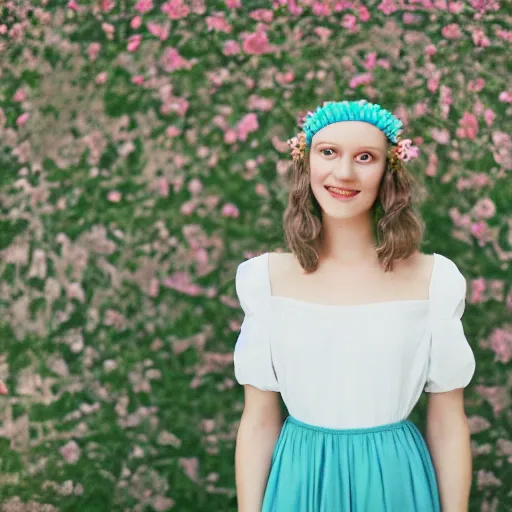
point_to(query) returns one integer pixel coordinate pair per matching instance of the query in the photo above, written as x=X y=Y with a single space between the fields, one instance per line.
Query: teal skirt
x=379 y=469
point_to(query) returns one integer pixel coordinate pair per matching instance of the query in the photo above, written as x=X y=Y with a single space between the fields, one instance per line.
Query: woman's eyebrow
x=335 y=144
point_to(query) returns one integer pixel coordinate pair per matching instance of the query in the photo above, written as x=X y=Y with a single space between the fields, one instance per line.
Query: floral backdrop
x=143 y=156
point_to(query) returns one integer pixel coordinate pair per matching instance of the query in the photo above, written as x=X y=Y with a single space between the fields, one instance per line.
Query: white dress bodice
x=352 y=366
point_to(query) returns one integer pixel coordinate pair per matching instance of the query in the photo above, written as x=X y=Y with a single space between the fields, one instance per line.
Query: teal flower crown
x=336 y=111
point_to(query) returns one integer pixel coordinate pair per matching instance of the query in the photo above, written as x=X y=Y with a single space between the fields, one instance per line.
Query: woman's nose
x=344 y=169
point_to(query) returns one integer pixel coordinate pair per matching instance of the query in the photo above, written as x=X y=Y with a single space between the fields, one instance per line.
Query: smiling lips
x=342 y=192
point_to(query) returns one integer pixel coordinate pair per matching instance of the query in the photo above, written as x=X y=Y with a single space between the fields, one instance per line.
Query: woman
x=349 y=328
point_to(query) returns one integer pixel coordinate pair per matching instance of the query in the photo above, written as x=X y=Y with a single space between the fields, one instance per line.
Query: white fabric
x=352 y=366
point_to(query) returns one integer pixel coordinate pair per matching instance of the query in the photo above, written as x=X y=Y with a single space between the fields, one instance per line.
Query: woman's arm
x=448 y=439
x=259 y=429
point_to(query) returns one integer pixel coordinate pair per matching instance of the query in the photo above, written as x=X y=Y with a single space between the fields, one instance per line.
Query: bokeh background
x=143 y=156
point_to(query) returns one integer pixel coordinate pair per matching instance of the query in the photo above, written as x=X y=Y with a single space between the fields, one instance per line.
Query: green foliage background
x=126 y=206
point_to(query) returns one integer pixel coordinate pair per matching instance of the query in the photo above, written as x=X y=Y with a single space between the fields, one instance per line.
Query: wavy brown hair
x=397 y=223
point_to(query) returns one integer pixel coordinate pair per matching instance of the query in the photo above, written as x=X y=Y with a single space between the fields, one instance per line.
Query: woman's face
x=351 y=155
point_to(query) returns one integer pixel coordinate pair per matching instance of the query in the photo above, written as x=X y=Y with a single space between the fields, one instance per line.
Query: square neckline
x=307 y=303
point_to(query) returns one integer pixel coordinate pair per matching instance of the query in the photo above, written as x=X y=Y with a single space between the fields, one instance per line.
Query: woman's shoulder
x=281 y=260
x=417 y=266
x=253 y=264
x=280 y=266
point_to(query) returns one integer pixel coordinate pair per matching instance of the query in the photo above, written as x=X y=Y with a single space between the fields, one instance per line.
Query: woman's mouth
x=342 y=193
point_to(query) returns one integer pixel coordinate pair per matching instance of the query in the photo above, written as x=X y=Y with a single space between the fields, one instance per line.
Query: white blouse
x=352 y=366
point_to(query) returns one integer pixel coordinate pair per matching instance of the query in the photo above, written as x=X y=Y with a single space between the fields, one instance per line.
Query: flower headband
x=336 y=111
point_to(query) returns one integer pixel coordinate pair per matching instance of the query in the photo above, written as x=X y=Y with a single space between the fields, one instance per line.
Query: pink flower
x=175 y=9
x=451 y=31
x=264 y=15
x=218 y=23
x=114 y=318
x=92 y=51
x=409 y=18
x=478 y=229
x=248 y=124
x=387 y=7
x=144 y=6
x=73 y=5
x=484 y=208
x=71 y=452
x=323 y=33
x=349 y=22
x=468 y=126
x=477 y=290
x=22 y=119
x=75 y=291
x=134 y=42
x=370 y=61
x=162 y=503
x=191 y=466
x=285 y=78
x=430 y=50
x=456 y=7
x=256 y=43
x=107 y=5
x=489 y=116
x=160 y=31
x=137 y=79
x=108 y=28
x=441 y=136
x=476 y=85
x=114 y=196
x=487 y=479
x=483 y=5
x=101 y=78
x=153 y=288
x=230 y=210
x=17 y=31
x=230 y=136
x=506 y=35
x=172 y=131
x=497 y=396
x=180 y=281
x=231 y=48
x=405 y=151
x=136 y=22
x=360 y=79
x=20 y=95
x=479 y=38
x=501 y=344
x=505 y=97
x=171 y=60
x=3 y=388
x=478 y=424
x=195 y=186
x=297 y=146
x=432 y=165
x=163 y=187
x=109 y=365
x=261 y=190
x=188 y=207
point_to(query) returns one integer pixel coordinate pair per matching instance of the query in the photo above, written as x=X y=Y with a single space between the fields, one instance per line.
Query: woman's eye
x=367 y=156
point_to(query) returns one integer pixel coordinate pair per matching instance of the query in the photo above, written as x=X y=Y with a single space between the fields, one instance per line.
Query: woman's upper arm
x=262 y=406
x=446 y=408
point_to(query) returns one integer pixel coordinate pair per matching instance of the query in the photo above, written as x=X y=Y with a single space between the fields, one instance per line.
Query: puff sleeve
x=252 y=354
x=451 y=362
